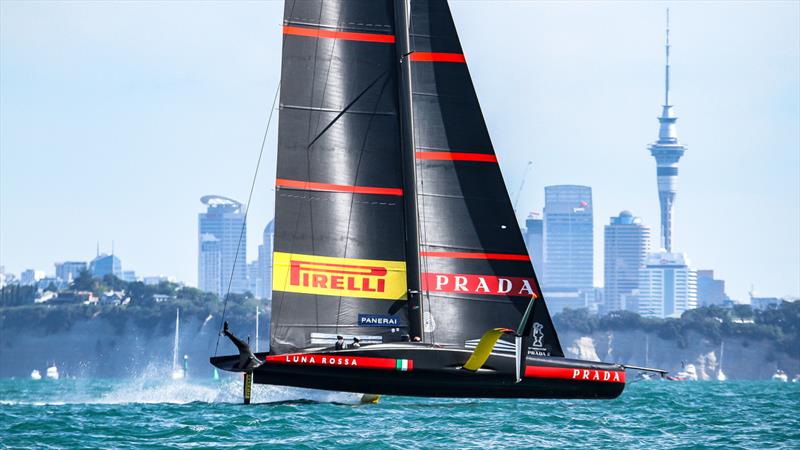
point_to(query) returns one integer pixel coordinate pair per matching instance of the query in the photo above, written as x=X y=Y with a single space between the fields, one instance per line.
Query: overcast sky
x=116 y=117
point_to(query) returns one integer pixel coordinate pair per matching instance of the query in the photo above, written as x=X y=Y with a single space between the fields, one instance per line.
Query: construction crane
x=522 y=183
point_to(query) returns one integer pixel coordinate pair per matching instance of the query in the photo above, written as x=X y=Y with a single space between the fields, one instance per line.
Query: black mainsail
x=393 y=223
x=339 y=256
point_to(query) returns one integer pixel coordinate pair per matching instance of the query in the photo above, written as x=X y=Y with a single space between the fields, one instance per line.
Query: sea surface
x=148 y=413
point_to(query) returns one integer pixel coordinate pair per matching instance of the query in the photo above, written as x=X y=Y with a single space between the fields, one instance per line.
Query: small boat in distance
x=178 y=372
x=689 y=373
x=780 y=375
x=52 y=372
x=720 y=374
x=36 y=375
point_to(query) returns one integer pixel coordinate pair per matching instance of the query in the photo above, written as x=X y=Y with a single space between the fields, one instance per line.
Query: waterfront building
x=104 y=265
x=264 y=282
x=627 y=243
x=568 y=239
x=222 y=246
x=154 y=280
x=710 y=291
x=559 y=299
x=667 y=151
x=667 y=286
x=69 y=270
x=761 y=302
x=30 y=277
x=534 y=241
x=129 y=276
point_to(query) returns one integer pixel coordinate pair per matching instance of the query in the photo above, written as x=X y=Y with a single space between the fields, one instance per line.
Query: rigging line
x=325 y=86
x=349 y=105
x=246 y=210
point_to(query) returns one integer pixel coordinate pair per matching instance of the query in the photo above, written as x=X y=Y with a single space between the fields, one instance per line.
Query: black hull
x=435 y=372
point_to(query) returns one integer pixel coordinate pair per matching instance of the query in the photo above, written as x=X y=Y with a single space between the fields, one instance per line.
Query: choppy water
x=144 y=413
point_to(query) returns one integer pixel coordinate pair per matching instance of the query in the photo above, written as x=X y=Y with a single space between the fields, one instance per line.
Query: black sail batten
x=476 y=273
x=339 y=261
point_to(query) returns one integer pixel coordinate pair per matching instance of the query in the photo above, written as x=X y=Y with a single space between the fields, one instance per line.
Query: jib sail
x=339 y=262
x=474 y=268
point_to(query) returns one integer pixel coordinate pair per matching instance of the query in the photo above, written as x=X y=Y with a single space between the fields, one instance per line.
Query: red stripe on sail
x=438 y=57
x=470 y=255
x=345 y=35
x=457 y=156
x=576 y=373
x=311 y=186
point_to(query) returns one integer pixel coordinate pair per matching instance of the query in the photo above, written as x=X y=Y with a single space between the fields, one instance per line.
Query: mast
x=408 y=150
x=256 y=329
x=175 y=344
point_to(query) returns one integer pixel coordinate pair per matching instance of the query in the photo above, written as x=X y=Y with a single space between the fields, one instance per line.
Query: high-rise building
x=30 y=277
x=104 y=265
x=667 y=150
x=534 y=241
x=254 y=279
x=69 y=270
x=209 y=272
x=710 y=291
x=222 y=246
x=568 y=239
x=667 y=286
x=627 y=243
x=264 y=285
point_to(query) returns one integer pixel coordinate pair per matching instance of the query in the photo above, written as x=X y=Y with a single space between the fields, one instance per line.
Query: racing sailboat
x=398 y=266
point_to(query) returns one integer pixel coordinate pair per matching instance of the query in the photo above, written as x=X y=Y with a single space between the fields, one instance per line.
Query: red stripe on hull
x=311 y=186
x=356 y=362
x=457 y=156
x=438 y=57
x=344 y=35
x=577 y=373
x=469 y=255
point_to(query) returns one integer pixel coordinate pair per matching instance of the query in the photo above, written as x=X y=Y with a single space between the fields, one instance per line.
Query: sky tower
x=667 y=151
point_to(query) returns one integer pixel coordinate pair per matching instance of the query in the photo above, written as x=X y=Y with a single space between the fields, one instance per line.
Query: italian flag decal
x=402 y=365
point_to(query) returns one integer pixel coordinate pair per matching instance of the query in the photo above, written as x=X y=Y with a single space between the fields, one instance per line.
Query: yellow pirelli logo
x=340 y=277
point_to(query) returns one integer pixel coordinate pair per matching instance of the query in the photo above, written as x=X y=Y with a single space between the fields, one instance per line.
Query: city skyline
x=594 y=93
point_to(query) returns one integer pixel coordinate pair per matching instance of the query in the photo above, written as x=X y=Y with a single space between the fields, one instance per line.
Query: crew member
x=339 y=343
x=355 y=343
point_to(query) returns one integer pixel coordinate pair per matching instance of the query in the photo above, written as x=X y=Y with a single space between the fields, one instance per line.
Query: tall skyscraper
x=104 y=265
x=568 y=239
x=222 y=246
x=534 y=241
x=667 y=286
x=627 y=243
x=265 y=262
x=667 y=151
